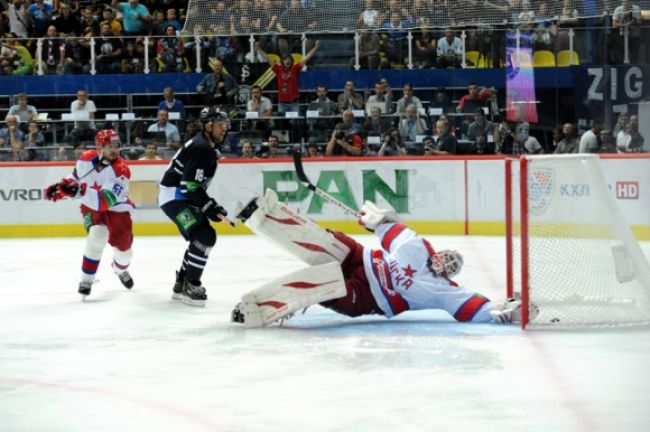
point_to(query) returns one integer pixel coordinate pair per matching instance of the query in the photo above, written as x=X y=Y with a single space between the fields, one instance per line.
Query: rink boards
x=451 y=195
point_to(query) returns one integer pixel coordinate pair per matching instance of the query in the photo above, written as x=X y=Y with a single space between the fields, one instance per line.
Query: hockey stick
x=297 y=161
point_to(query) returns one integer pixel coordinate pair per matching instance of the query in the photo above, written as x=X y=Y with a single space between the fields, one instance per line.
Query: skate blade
x=177 y=296
x=191 y=302
x=83 y=297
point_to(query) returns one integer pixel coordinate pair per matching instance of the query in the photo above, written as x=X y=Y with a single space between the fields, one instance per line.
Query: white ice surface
x=139 y=361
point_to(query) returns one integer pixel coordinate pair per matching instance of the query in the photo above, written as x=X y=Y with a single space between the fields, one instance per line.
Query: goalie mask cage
x=570 y=253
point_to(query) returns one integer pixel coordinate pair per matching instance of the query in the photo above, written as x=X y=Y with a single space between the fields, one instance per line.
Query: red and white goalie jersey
x=400 y=278
x=107 y=185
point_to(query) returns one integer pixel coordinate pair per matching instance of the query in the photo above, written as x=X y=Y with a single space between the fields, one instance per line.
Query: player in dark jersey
x=184 y=199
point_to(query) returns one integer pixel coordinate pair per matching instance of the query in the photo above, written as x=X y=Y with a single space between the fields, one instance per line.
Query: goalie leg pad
x=95 y=242
x=296 y=234
x=290 y=293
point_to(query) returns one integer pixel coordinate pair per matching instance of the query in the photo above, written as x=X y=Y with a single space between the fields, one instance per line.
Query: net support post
x=409 y=38
x=508 y=219
x=463 y=35
x=93 y=70
x=198 y=41
x=146 y=56
x=523 y=186
x=357 y=38
x=303 y=40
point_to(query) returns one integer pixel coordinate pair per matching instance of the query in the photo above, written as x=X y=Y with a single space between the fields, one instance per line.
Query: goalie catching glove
x=213 y=210
x=66 y=188
x=373 y=216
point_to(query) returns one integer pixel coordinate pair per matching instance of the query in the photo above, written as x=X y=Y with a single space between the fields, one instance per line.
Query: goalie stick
x=297 y=161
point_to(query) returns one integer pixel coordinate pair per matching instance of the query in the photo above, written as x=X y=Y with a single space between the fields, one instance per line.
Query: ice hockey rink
x=139 y=361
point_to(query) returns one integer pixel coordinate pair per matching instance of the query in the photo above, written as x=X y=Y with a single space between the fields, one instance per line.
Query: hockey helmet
x=447 y=263
x=212 y=114
x=106 y=137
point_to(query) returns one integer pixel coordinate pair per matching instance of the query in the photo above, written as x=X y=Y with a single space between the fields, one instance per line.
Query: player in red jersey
x=100 y=181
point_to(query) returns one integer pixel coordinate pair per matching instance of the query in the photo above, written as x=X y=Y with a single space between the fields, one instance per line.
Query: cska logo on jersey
x=403 y=276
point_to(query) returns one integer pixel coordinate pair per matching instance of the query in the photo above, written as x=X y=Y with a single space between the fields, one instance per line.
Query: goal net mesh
x=318 y=16
x=585 y=266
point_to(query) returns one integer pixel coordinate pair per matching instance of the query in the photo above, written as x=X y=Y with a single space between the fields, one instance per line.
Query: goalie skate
x=281 y=298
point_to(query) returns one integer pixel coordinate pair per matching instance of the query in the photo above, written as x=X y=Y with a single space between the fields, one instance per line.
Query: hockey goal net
x=570 y=253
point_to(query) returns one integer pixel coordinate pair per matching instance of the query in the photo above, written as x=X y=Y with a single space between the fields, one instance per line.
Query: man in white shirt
x=163 y=125
x=22 y=110
x=263 y=107
x=450 y=49
x=83 y=110
x=589 y=141
x=408 y=98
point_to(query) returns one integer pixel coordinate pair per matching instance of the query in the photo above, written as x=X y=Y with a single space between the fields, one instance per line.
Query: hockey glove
x=213 y=210
x=373 y=216
x=66 y=188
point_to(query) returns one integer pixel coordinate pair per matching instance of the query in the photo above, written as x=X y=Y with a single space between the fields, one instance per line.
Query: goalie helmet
x=447 y=263
x=106 y=137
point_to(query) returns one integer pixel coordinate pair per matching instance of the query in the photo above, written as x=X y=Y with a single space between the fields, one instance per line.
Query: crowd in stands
x=386 y=122
x=54 y=36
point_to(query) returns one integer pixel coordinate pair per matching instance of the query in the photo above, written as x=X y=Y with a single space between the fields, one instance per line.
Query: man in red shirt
x=474 y=97
x=287 y=74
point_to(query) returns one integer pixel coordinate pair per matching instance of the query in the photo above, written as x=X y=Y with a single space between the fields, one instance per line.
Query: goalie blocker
x=406 y=273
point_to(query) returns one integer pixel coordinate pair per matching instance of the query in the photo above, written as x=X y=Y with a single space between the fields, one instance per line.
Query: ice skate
x=237 y=315
x=124 y=276
x=84 y=289
x=247 y=211
x=178 y=286
x=194 y=295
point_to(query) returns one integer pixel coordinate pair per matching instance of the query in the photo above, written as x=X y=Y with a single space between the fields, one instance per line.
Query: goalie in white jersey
x=100 y=181
x=405 y=274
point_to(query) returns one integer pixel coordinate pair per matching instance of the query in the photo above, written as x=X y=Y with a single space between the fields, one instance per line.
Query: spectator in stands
x=135 y=17
x=18 y=152
x=424 y=49
x=22 y=63
x=287 y=73
x=17 y=10
x=77 y=53
x=34 y=136
x=627 y=18
x=369 y=48
x=150 y=152
x=629 y=140
x=11 y=135
x=481 y=126
x=376 y=125
x=171 y=104
x=157 y=27
x=325 y=107
x=394 y=41
x=605 y=51
x=132 y=58
x=219 y=87
x=408 y=98
x=313 y=151
x=22 y=110
x=67 y=24
x=172 y=20
x=441 y=100
x=247 y=150
x=607 y=142
x=446 y=143
x=109 y=57
x=163 y=125
x=370 y=16
x=52 y=53
x=412 y=124
x=380 y=96
x=274 y=148
x=474 y=98
x=88 y=20
x=84 y=130
x=590 y=141
x=480 y=146
x=109 y=17
x=262 y=106
x=170 y=51
x=449 y=50
x=40 y=17
x=569 y=143
x=558 y=136
x=523 y=142
x=567 y=20
x=349 y=99
x=342 y=144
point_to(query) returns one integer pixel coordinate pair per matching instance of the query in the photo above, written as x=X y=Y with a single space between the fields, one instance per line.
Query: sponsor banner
x=441 y=192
